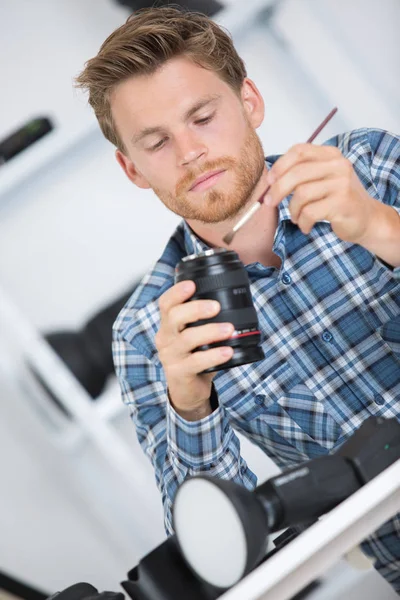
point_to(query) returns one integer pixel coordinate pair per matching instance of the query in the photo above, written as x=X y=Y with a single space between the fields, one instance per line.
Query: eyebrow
x=189 y=113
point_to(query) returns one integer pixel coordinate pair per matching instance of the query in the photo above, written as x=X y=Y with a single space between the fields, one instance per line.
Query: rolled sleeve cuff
x=395 y=270
x=198 y=444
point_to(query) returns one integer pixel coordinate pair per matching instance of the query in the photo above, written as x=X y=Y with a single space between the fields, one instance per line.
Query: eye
x=204 y=120
x=158 y=145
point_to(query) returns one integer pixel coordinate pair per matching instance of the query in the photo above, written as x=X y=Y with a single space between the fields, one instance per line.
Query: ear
x=131 y=171
x=253 y=102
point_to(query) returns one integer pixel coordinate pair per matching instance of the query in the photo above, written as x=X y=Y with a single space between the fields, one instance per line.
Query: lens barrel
x=220 y=275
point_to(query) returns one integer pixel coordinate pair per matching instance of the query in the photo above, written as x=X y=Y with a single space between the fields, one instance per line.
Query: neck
x=253 y=242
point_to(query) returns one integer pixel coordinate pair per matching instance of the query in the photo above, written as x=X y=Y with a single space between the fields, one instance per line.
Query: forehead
x=166 y=94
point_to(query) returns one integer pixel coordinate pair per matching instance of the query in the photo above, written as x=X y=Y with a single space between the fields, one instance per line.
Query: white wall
x=75 y=233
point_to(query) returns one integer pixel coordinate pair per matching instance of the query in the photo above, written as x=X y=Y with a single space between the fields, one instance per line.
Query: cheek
x=229 y=136
x=156 y=168
x=161 y=174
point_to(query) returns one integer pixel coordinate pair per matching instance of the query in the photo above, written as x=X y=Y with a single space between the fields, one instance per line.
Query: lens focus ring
x=221 y=280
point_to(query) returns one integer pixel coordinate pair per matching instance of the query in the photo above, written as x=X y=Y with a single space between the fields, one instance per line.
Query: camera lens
x=220 y=275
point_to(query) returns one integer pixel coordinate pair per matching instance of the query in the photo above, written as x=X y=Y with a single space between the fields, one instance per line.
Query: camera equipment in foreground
x=205 y=558
x=222 y=528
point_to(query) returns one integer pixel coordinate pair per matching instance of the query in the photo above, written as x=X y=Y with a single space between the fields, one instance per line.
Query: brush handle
x=309 y=141
x=249 y=214
x=229 y=237
x=320 y=128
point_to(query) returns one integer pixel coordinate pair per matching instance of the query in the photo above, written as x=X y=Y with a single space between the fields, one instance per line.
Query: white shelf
x=57 y=37
x=109 y=405
x=43 y=153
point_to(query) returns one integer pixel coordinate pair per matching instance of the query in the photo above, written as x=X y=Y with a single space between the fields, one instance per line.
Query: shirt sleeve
x=384 y=547
x=385 y=165
x=384 y=544
x=385 y=171
x=176 y=448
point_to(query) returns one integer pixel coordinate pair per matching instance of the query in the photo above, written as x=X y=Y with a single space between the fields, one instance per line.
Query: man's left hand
x=326 y=188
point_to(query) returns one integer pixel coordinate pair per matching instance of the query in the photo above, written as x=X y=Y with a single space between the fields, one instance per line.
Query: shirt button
x=378 y=399
x=286 y=279
x=327 y=337
x=259 y=399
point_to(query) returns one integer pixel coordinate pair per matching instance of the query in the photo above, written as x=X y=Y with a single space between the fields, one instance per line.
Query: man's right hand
x=189 y=390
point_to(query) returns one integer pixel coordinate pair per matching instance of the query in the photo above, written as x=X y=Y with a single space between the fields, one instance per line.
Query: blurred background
x=78 y=499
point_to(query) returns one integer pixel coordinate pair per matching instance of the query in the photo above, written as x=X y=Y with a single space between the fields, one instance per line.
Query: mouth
x=206 y=181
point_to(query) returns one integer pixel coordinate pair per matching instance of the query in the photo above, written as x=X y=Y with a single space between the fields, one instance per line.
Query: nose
x=190 y=149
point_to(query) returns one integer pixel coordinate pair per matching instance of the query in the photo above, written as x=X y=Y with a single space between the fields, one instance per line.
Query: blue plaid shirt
x=330 y=318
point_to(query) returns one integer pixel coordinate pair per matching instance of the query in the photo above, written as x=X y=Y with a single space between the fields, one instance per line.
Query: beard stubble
x=215 y=206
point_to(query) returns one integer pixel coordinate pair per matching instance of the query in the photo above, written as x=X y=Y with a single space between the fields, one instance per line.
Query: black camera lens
x=220 y=275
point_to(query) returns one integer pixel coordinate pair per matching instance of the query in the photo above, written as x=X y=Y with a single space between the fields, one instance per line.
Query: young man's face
x=184 y=122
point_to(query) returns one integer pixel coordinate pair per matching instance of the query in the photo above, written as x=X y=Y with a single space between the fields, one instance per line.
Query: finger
x=308 y=193
x=194 y=337
x=190 y=312
x=177 y=294
x=299 y=175
x=298 y=154
x=314 y=212
x=175 y=320
x=205 y=359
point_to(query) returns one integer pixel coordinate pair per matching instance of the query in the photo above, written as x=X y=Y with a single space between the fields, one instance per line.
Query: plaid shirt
x=330 y=319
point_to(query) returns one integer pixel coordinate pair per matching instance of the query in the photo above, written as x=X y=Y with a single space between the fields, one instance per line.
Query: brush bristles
x=229 y=236
x=227 y=239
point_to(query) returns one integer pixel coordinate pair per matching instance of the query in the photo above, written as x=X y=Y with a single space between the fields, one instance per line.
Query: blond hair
x=148 y=39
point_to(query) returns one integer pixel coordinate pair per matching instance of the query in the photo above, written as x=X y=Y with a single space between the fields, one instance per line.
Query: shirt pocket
x=283 y=416
x=383 y=314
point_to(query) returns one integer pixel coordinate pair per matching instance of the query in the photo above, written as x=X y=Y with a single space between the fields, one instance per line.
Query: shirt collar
x=194 y=245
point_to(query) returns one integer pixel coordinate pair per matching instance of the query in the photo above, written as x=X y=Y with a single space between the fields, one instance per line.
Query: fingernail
x=188 y=286
x=226 y=351
x=212 y=307
x=225 y=328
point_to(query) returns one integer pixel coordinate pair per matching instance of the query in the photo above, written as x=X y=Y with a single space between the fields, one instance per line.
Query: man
x=171 y=93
